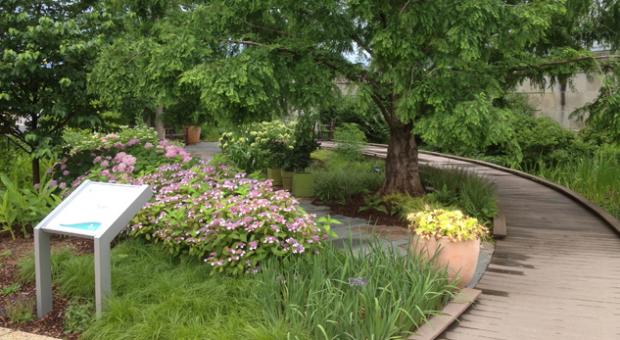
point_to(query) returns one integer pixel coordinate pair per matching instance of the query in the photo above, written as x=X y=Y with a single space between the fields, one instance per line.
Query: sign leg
x=103 y=282
x=43 y=272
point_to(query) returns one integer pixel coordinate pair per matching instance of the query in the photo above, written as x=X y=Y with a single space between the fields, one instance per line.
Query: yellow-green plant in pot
x=450 y=238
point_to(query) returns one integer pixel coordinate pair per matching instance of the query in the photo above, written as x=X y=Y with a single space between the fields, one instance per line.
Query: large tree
x=46 y=48
x=437 y=64
x=422 y=62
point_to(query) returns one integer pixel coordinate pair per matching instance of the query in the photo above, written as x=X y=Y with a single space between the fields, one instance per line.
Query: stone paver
x=203 y=150
x=10 y=334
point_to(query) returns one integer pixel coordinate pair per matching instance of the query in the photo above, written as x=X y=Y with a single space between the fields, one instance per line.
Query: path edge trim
x=438 y=323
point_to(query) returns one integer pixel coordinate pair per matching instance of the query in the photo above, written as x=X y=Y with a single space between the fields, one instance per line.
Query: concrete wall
x=558 y=103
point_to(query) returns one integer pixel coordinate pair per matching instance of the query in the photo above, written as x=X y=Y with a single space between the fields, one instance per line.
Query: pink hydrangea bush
x=226 y=219
x=115 y=157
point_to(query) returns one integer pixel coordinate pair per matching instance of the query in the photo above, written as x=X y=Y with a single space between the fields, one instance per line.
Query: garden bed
x=357 y=207
x=14 y=289
x=214 y=250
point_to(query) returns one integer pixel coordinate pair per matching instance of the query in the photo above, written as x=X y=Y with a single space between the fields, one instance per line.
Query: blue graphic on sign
x=83 y=226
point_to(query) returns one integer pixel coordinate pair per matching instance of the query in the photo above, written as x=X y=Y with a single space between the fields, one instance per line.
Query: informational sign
x=93 y=208
x=97 y=211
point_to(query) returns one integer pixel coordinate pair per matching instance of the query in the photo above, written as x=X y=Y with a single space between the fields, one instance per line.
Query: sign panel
x=92 y=208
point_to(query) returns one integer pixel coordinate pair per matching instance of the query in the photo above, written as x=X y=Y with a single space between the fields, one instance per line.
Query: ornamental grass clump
x=452 y=224
x=230 y=221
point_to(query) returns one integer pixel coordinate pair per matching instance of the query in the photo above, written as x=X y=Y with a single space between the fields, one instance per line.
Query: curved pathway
x=555 y=276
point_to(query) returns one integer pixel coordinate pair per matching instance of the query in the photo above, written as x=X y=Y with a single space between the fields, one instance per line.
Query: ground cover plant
x=334 y=294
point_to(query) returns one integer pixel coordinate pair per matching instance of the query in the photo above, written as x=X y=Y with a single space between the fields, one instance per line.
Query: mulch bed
x=11 y=251
x=352 y=209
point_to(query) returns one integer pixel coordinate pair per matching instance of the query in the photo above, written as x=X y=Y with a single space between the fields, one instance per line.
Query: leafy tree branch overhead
x=46 y=49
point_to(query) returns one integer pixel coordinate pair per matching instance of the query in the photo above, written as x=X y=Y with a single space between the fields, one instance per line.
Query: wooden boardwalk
x=555 y=276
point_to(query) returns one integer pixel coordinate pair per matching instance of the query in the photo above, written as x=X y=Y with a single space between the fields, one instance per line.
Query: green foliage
x=514 y=138
x=544 y=141
x=10 y=289
x=156 y=296
x=79 y=315
x=474 y=127
x=356 y=108
x=373 y=202
x=73 y=275
x=452 y=224
x=341 y=179
x=304 y=143
x=596 y=177
x=374 y=294
x=258 y=146
x=463 y=190
x=120 y=157
x=231 y=222
x=21 y=207
x=46 y=50
x=349 y=141
x=20 y=309
x=603 y=115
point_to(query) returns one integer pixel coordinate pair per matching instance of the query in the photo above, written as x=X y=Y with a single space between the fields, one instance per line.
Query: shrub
x=349 y=141
x=339 y=180
x=230 y=221
x=259 y=146
x=543 y=141
x=114 y=157
x=453 y=224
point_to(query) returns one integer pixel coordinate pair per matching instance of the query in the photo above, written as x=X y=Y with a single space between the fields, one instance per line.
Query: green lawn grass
x=306 y=297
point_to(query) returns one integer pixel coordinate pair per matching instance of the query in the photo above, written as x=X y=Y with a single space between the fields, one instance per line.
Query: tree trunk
x=36 y=171
x=159 y=123
x=402 y=173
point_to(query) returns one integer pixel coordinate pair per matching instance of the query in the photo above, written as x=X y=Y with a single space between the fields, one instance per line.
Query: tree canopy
x=47 y=48
x=436 y=68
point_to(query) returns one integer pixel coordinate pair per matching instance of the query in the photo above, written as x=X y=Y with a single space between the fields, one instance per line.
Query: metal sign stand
x=97 y=211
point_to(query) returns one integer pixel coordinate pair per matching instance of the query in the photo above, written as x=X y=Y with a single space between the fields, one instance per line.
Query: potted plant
x=302 y=183
x=450 y=239
x=274 y=138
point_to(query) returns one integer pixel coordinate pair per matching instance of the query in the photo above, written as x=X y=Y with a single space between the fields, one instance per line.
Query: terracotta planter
x=287 y=179
x=275 y=175
x=192 y=135
x=461 y=258
x=303 y=185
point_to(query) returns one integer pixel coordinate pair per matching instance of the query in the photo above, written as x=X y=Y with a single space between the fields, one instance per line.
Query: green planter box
x=303 y=185
x=287 y=179
x=275 y=175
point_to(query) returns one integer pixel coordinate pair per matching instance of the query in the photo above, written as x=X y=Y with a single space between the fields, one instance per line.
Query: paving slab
x=19 y=335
